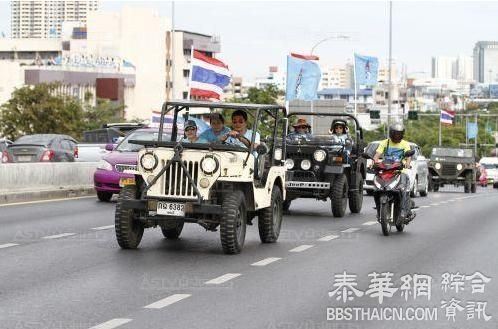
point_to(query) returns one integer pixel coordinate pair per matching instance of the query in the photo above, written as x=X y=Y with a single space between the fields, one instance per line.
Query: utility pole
x=389 y=97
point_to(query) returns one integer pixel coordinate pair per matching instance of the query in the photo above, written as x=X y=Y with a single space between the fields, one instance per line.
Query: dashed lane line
x=168 y=301
x=44 y=201
x=100 y=228
x=114 y=323
x=301 y=248
x=57 y=236
x=434 y=204
x=425 y=206
x=224 y=278
x=266 y=261
x=350 y=230
x=328 y=238
x=372 y=222
x=8 y=245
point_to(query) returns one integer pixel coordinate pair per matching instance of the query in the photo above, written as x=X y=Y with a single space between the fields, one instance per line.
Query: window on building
x=185 y=94
x=186 y=73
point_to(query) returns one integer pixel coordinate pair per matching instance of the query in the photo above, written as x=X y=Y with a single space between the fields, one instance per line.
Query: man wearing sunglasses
x=301 y=130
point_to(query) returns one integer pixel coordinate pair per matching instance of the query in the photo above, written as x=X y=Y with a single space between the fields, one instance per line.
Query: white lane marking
x=224 y=278
x=44 y=201
x=425 y=206
x=328 y=238
x=350 y=230
x=443 y=202
x=7 y=245
x=102 y=227
x=266 y=261
x=114 y=323
x=301 y=248
x=434 y=204
x=452 y=200
x=369 y=223
x=57 y=236
x=168 y=301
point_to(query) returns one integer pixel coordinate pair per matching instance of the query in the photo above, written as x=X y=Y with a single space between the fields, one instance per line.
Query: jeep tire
x=339 y=195
x=286 y=205
x=172 y=233
x=270 y=219
x=233 y=222
x=467 y=185
x=356 y=196
x=129 y=231
x=104 y=196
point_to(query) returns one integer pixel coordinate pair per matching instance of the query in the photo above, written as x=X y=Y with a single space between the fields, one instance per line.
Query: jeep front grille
x=176 y=180
x=449 y=169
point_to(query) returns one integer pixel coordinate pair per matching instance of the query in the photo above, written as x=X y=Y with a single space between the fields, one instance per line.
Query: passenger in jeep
x=240 y=135
x=190 y=130
x=301 y=130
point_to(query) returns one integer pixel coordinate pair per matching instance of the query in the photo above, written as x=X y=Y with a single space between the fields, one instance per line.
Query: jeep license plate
x=171 y=208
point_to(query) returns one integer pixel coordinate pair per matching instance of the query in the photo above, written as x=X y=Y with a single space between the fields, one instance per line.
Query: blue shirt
x=199 y=140
x=210 y=136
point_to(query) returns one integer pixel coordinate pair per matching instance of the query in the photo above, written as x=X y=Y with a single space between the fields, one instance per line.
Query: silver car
x=419 y=173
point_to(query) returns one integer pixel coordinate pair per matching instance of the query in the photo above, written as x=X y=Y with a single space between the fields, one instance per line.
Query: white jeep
x=213 y=184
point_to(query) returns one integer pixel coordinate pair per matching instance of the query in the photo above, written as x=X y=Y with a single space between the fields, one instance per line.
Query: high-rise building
x=43 y=19
x=444 y=67
x=486 y=61
x=338 y=76
x=464 y=68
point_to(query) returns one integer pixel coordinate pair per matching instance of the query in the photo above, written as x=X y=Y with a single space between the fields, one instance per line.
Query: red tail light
x=48 y=155
x=6 y=157
x=76 y=151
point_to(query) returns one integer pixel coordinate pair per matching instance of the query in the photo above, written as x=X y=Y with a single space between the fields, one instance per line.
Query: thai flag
x=209 y=76
x=447 y=117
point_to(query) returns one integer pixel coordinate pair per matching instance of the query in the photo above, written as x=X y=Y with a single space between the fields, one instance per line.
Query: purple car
x=123 y=157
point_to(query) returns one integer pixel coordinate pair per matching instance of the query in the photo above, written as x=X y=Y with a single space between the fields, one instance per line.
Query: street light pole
x=389 y=97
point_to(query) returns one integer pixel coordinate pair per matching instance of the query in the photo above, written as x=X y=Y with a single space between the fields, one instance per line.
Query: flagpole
x=191 y=66
x=355 y=85
x=466 y=131
x=173 y=64
x=475 y=138
x=440 y=110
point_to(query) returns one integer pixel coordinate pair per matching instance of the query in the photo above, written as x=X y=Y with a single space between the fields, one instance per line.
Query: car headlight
x=104 y=165
x=305 y=164
x=149 y=161
x=209 y=164
x=437 y=166
x=319 y=155
x=459 y=166
x=278 y=154
x=289 y=164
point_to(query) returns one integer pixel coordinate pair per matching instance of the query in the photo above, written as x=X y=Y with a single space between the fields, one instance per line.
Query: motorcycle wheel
x=385 y=212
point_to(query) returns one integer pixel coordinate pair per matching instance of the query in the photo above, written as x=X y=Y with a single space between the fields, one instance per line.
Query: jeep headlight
x=209 y=164
x=437 y=166
x=149 y=161
x=319 y=155
x=305 y=164
x=289 y=164
x=104 y=165
x=278 y=154
x=459 y=166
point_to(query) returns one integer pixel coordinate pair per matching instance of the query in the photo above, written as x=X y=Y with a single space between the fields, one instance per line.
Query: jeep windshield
x=456 y=153
x=149 y=135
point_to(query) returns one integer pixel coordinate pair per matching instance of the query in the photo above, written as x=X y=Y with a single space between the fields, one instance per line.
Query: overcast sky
x=256 y=34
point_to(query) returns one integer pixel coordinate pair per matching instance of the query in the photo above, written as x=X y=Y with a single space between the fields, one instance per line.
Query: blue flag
x=471 y=130
x=303 y=77
x=366 y=68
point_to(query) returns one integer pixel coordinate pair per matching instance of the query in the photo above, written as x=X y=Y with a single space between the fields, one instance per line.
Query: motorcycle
x=387 y=183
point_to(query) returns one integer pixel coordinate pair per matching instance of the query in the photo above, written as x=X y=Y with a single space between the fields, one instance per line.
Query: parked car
x=42 y=148
x=123 y=157
x=419 y=173
x=490 y=166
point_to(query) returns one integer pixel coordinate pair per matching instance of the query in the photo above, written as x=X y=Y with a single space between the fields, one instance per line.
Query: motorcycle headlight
x=377 y=183
x=278 y=154
x=437 y=166
x=104 y=165
x=459 y=166
x=149 y=161
x=289 y=164
x=319 y=155
x=209 y=164
x=305 y=164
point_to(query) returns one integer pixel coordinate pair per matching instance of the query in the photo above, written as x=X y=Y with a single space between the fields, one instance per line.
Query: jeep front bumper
x=307 y=185
x=191 y=208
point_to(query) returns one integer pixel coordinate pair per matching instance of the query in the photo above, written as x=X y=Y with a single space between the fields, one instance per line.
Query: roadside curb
x=25 y=196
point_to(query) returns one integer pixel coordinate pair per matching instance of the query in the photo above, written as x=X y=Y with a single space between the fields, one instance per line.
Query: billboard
x=493 y=91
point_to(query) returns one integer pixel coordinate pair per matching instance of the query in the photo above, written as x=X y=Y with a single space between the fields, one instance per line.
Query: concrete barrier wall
x=25 y=176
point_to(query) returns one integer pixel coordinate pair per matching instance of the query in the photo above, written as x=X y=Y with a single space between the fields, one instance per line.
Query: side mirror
x=262 y=149
x=109 y=147
x=409 y=153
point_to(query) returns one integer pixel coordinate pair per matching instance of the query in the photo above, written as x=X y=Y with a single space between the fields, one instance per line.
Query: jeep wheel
x=425 y=192
x=435 y=187
x=468 y=183
x=339 y=195
x=286 y=205
x=270 y=219
x=233 y=222
x=356 y=197
x=129 y=231
x=413 y=192
x=172 y=233
x=104 y=196
x=473 y=188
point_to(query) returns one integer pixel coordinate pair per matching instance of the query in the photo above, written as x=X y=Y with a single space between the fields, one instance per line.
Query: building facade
x=44 y=19
x=486 y=62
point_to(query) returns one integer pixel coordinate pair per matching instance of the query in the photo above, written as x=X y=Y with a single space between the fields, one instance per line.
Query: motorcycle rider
x=393 y=149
